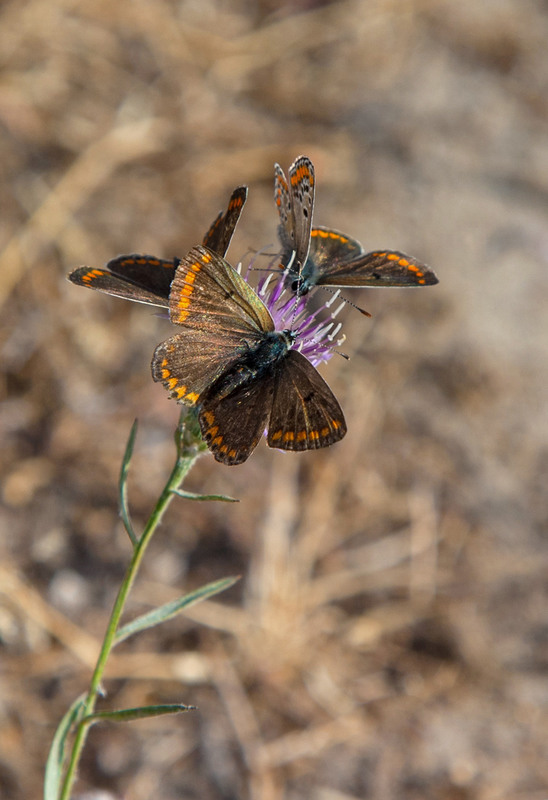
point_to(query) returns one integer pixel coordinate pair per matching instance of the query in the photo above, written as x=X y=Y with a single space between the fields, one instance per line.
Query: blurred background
x=389 y=634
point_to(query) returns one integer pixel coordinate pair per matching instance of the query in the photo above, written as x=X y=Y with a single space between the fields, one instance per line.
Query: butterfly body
x=253 y=365
x=242 y=375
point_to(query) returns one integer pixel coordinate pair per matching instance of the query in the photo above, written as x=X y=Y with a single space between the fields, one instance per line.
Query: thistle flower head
x=315 y=338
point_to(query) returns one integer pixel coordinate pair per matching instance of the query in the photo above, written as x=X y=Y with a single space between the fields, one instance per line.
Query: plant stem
x=187 y=453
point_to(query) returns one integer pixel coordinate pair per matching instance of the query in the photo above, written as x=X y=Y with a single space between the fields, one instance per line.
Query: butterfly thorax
x=255 y=362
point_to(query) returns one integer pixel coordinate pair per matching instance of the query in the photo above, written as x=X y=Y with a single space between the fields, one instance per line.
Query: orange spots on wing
x=209 y=417
x=217 y=442
x=301 y=436
x=276 y=436
x=392 y=257
x=236 y=202
x=302 y=172
x=192 y=397
x=233 y=454
x=313 y=436
x=93 y=273
x=403 y=262
x=327 y=234
x=418 y=272
x=289 y=436
x=324 y=432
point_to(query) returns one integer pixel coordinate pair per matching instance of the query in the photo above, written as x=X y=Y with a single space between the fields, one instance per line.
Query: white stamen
x=239 y=267
x=265 y=284
x=338 y=310
x=323 y=331
x=335 y=295
x=335 y=332
x=290 y=262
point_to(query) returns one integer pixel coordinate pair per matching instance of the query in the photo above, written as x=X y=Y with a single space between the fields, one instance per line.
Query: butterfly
x=243 y=376
x=147 y=279
x=325 y=257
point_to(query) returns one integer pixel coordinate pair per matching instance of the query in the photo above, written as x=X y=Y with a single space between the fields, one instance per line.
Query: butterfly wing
x=305 y=413
x=190 y=361
x=327 y=249
x=232 y=425
x=208 y=294
x=222 y=228
x=379 y=268
x=221 y=317
x=286 y=228
x=149 y=273
x=328 y=246
x=302 y=186
x=295 y=202
x=144 y=279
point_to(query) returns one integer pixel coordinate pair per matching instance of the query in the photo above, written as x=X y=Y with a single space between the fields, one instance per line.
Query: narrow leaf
x=192 y=496
x=141 y=712
x=170 y=610
x=122 y=485
x=54 y=766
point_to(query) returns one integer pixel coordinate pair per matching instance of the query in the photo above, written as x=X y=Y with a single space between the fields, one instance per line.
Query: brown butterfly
x=325 y=257
x=244 y=376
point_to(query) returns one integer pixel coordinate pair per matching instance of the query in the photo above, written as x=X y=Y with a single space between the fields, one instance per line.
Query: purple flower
x=315 y=338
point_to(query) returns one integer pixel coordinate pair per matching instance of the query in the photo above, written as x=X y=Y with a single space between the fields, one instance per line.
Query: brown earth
x=389 y=635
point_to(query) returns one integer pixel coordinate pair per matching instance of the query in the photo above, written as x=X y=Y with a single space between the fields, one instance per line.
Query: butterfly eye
x=300 y=287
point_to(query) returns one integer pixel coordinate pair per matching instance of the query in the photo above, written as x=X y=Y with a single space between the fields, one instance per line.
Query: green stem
x=187 y=453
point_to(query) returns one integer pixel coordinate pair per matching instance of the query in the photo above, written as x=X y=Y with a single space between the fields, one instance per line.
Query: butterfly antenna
x=263 y=252
x=337 y=293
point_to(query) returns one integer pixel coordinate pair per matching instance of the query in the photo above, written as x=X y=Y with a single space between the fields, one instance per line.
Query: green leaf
x=54 y=766
x=141 y=712
x=122 y=485
x=170 y=610
x=192 y=496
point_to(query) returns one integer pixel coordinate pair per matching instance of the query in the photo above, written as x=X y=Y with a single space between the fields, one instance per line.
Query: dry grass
x=388 y=638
